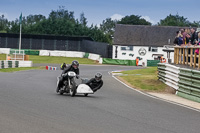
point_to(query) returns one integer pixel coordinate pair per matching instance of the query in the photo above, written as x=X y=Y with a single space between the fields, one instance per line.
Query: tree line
x=62 y=22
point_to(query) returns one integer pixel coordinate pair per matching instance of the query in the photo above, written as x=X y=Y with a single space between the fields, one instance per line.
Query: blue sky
x=98 y=10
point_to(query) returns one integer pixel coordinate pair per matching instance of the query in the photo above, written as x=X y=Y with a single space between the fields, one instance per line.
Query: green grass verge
x=59 y=60
x=46 y=59
x=54 y=59
x=20 y=69
x=144 y=79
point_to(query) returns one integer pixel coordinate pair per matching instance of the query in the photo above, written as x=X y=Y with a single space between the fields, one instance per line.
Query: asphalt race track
x=29 y=104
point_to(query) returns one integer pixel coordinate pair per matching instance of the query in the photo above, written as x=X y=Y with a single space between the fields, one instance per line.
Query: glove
x=77 y=76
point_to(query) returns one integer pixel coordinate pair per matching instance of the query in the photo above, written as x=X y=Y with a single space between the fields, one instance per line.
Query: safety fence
x=148 y=63
x=119 y=62
x=186 y=82
x=53 y=42
x=79 y=54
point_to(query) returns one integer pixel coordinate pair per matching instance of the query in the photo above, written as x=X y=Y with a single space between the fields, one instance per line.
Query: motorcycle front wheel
x=72 y=88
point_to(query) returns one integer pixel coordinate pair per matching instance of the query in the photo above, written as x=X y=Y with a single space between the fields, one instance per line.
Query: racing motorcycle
x=69 y=84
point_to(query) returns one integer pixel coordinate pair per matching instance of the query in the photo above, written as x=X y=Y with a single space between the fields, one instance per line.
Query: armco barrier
x=8 y=64
x=4 y=50
x=168 y=74
x=189 y=84
x=14 y=64
x=94 y=56
x=186 y=82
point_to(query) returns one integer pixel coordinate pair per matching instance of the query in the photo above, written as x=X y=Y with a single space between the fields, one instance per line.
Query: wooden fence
x=186 y=55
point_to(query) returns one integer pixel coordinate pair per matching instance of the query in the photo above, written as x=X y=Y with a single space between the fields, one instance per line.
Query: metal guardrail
x=186 y=82
x=8 y=64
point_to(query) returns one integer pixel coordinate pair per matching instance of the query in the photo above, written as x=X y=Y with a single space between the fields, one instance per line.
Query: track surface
x=29 y=104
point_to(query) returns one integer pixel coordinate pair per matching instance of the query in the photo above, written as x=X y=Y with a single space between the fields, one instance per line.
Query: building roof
x=141 y=35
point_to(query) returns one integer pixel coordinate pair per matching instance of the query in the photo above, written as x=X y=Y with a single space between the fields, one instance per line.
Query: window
x=126 y=48
x=153 y=49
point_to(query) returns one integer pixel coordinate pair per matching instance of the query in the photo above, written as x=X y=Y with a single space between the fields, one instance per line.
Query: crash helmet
x=98 y=76
x=75 y=64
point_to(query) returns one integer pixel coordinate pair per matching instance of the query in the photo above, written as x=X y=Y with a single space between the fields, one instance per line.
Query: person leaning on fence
x=184 y=35
x=197 y=44
x=188 y=43
x=194 y=36
x=176 y=38
x=180 y=39
x=180 y=43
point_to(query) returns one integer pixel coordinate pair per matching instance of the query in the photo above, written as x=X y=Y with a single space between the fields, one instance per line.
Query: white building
x=145 y=42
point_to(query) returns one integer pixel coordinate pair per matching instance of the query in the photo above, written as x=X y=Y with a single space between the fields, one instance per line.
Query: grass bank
x=59 y=60
x=46 y=59
x=20 y=69
x=144 y=79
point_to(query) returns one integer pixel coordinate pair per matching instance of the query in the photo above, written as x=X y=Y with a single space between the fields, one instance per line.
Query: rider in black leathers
x=63 y=66
x=95 y=83
x=73 y=67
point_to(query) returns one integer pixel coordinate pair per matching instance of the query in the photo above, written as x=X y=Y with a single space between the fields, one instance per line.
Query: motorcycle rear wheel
x=61 y=92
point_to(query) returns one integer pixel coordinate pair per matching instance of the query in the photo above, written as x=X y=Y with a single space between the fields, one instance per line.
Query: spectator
x=194 y=36
x=188 y=41
x=197 y=43
x=180 y=39
x=184 y=35
x=198 y=30
x=176 y=38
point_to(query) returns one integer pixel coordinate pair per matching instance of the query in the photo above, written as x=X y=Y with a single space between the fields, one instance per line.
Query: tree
x=134 y=20
x=174 y=20
x=108 y=28
x=195 y=24
x=83 y=20
x=4 y=24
